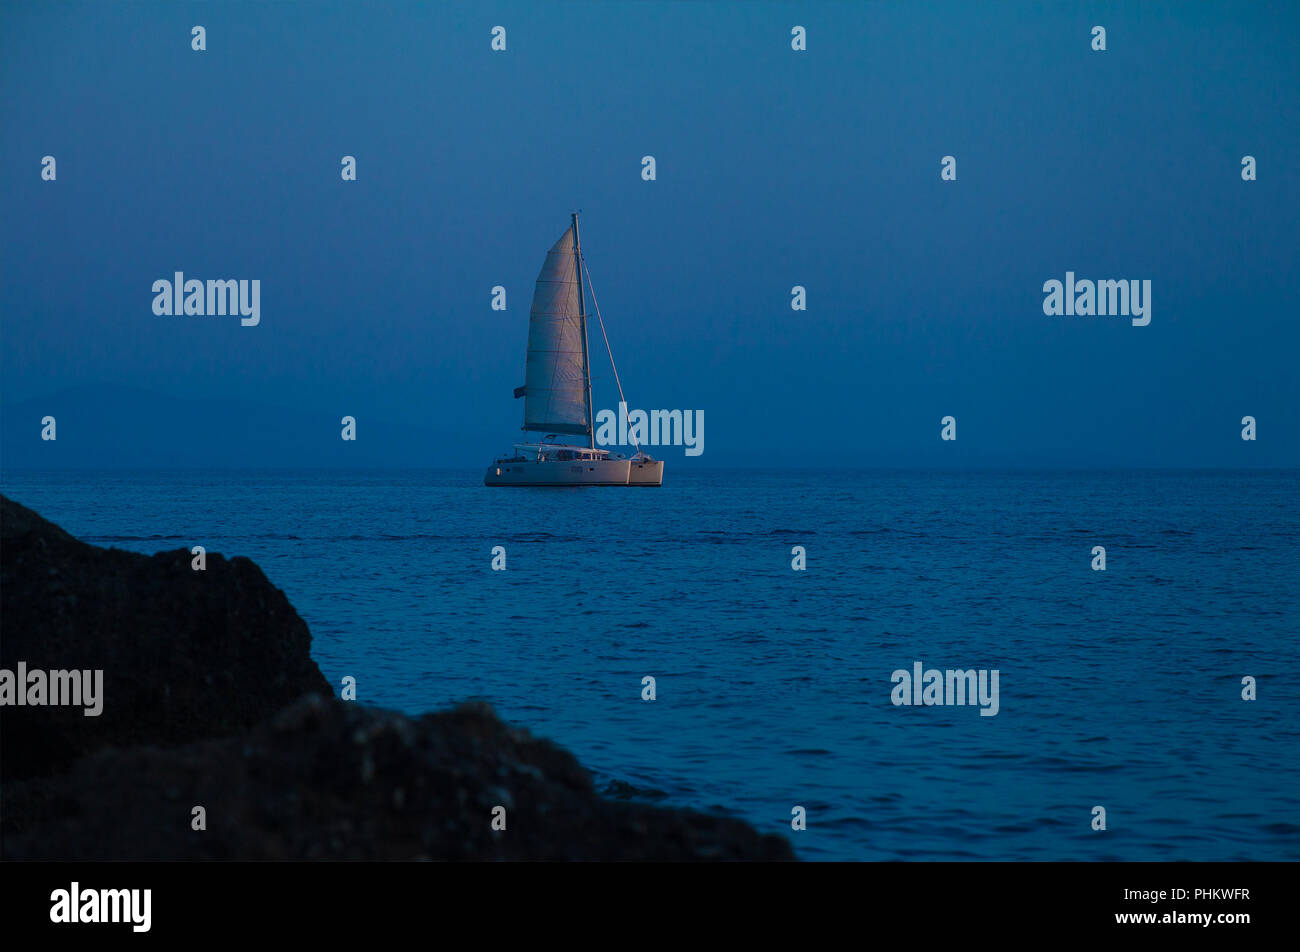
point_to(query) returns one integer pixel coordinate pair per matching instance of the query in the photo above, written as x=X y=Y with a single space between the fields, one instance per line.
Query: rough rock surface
x=186 y=655
x=328 y=779
x=212 y=700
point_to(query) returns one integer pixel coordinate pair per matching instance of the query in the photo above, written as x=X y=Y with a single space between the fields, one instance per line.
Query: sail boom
x=568 y=429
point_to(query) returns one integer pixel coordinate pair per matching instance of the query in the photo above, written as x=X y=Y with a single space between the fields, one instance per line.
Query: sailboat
x=557 y=389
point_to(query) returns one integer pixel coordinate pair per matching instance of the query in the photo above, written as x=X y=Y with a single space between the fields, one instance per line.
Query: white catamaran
x=557 y=389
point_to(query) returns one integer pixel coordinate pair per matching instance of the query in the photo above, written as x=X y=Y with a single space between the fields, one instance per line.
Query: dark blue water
x=1119 y=688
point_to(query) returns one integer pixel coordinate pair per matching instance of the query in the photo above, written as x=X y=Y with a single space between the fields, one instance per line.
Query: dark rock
x=186 y=655
x=328 y=779
x=622 y=790
x=195 y=664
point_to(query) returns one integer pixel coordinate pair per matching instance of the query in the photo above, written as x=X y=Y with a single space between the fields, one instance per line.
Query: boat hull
x=649 y=472
x=551 y=472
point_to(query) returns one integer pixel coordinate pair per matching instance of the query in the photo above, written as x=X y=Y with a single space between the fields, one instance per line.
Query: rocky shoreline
x=211 y=699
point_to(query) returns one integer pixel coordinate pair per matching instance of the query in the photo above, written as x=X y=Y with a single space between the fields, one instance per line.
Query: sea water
x=1119 y=688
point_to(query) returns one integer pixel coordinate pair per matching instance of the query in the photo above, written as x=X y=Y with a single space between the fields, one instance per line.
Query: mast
x=582 y=316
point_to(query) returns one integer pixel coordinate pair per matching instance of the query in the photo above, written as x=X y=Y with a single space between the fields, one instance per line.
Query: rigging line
x=608 y=349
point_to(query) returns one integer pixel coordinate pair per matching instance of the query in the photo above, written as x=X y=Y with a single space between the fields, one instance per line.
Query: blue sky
x=775 y=168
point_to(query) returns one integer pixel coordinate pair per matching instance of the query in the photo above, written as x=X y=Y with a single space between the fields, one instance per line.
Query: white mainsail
x=556 y=380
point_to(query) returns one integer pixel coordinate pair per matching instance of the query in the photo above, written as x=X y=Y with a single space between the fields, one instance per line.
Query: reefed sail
x=555 y=387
